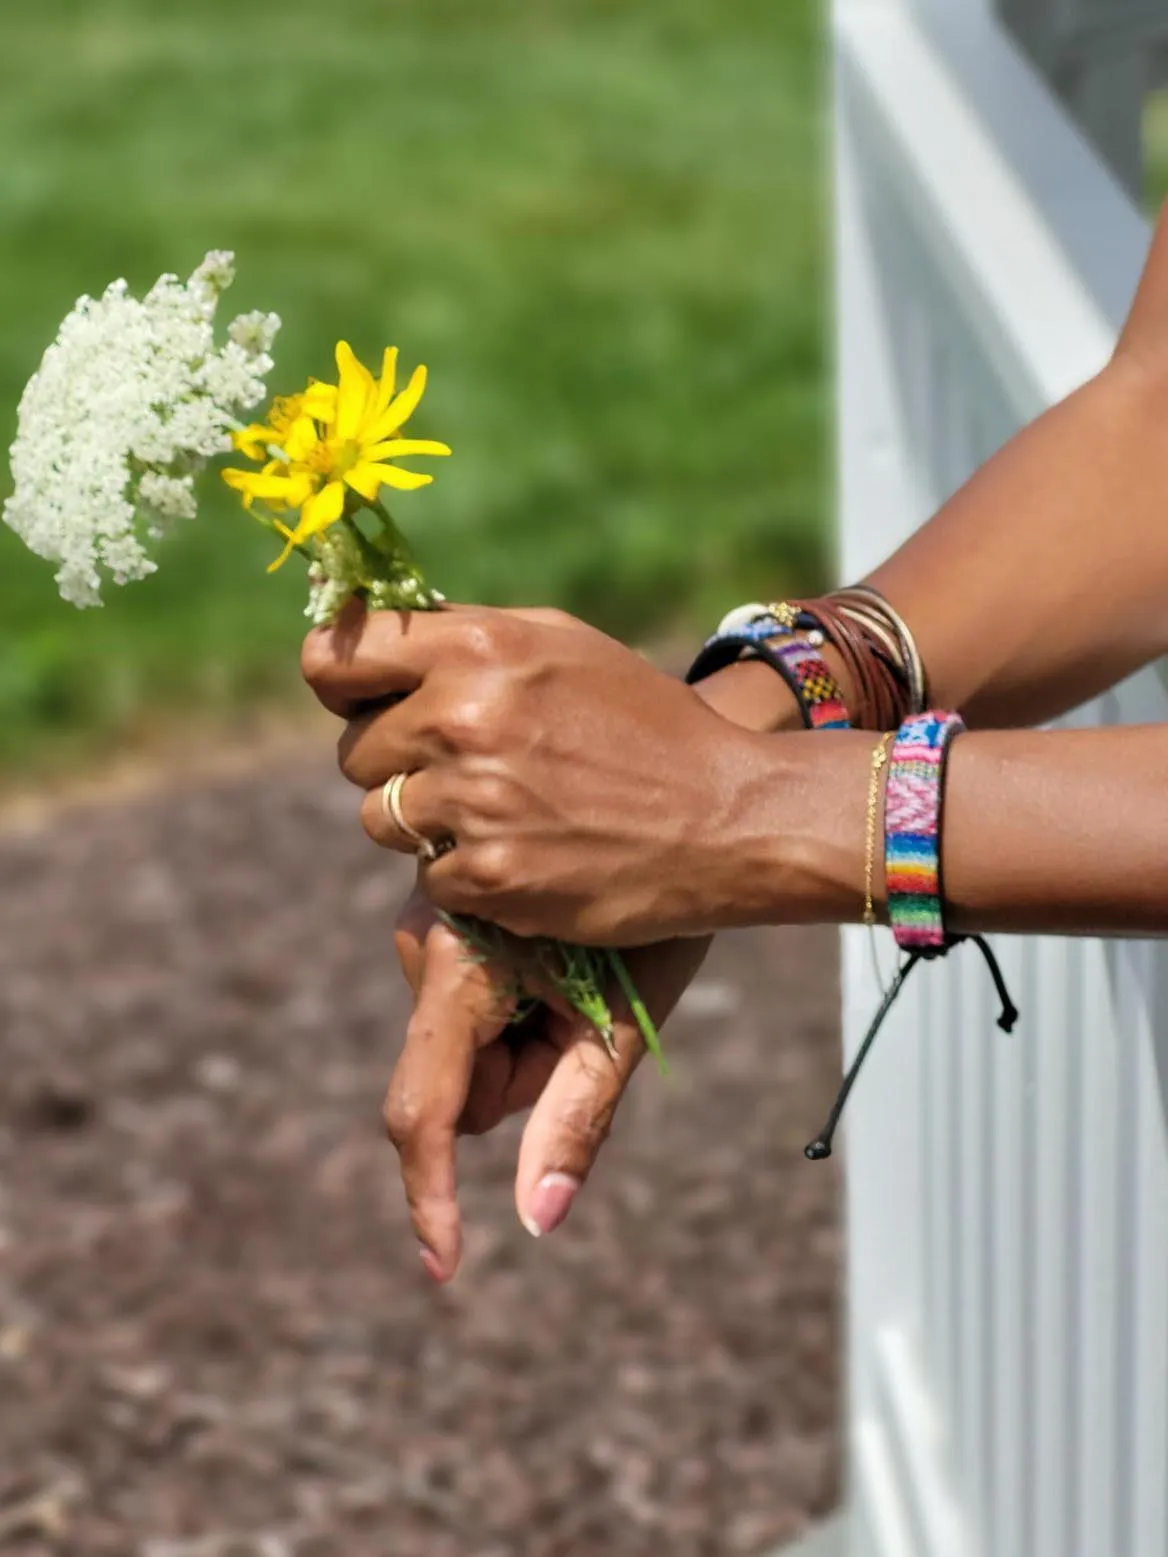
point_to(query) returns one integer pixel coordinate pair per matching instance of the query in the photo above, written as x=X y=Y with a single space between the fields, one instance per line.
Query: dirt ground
x=215 y=1336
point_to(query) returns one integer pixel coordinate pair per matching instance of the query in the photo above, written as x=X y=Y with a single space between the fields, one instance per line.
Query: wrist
x=750 y=695
x=787 y=840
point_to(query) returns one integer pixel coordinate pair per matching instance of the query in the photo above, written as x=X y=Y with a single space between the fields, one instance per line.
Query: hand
x=464 y=1068
x=589 y=796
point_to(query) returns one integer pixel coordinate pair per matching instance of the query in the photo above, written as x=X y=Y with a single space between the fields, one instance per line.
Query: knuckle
x=349 y=754
x=316 y=657
x=496 y=638
x=489 y=869
x=402 y=1114
x=481 y=639
x=490 y=796
x=470 y=723
x=557 y=618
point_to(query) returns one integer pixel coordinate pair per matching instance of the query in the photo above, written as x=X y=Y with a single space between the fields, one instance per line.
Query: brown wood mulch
x=215 y=1336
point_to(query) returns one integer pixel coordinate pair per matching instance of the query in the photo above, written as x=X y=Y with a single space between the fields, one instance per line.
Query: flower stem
x=391 y=551
x=637 y=1006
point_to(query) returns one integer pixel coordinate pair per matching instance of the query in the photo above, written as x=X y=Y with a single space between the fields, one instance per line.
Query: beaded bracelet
x=913 y=801
x=751 y=631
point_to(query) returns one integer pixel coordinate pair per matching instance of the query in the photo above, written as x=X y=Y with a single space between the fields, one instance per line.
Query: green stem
x=400 y=545
x=637 y=1006
x=395 y=551
x=373 y=559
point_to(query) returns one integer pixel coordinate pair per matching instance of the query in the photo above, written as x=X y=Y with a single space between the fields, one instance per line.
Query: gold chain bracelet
x=879 y=759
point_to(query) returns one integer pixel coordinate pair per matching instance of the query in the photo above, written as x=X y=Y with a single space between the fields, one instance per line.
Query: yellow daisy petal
x=400 y=409
x=397 y=447
x=241 y=480
x=319 y=401
x=252 y=441
x=355 y=389
x=281 y=491
x=301 y=438
x=403 y=480
x=365 y=479
x=321 y=510
x=387 y=381
x=288 y=491
x=290 y=538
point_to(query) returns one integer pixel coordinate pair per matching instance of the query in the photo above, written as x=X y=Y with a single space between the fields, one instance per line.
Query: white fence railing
x=1007 y=1196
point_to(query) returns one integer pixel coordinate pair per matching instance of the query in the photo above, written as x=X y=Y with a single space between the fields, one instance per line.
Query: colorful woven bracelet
x=797 y=660
x=913 y=801
x=820 y=699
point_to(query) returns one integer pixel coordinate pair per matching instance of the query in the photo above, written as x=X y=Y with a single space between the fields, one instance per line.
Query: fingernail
x=551 y=1203
x=431 y=1263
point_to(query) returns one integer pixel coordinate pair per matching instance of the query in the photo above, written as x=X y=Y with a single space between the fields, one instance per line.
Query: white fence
x=1007 y=1195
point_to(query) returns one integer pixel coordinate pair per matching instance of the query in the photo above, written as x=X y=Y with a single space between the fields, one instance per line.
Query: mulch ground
x=215 y=1336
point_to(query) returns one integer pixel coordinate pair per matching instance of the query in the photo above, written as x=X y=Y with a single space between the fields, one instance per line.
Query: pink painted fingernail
x=431 y=1263
x=551 y=1203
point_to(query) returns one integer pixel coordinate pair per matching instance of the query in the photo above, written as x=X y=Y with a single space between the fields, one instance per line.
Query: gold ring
x=391 y=808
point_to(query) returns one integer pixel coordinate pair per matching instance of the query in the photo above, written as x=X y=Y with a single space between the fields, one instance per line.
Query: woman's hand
x=464 y=1068
x=461 y=1029
x=588 y=796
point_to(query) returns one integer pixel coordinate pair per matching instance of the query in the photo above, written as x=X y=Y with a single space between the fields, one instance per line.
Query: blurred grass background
x=1156 y=150
x=601 y=225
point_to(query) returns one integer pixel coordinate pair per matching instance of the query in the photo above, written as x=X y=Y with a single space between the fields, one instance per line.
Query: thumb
x=572 y=1117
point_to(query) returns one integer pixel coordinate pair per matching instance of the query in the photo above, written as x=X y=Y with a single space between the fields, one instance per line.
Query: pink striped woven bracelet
x=912 y=829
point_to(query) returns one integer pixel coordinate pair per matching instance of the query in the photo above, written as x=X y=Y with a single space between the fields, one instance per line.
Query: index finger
x=458 y=1009
x=369 y=655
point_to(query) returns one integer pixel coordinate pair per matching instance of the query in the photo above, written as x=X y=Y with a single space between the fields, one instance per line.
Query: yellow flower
x=333 y=438
x=277 y=485
x=318 y=400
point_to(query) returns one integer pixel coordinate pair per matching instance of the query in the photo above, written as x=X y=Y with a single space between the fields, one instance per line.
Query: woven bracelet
x=913 y=801
x=797 y=660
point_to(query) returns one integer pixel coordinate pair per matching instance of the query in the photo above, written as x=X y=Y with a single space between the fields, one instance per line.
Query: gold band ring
x=391 y=807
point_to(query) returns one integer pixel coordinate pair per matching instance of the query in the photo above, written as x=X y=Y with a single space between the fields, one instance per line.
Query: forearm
x=1041 y=583
x=1061 y=832
x=1043 y=580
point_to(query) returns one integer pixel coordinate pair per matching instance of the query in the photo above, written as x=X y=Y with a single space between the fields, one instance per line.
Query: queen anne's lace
x=128 y=404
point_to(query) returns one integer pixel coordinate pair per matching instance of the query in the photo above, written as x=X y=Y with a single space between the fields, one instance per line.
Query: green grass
x=601 y=224
x=1156 y=150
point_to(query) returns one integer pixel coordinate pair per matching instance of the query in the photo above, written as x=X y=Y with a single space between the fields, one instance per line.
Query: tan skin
x=594 y=798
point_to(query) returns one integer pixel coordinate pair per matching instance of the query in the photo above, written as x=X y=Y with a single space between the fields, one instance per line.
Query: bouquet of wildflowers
x=131 y=402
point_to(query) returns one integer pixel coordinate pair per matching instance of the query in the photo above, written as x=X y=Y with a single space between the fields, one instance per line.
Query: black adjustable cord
x=821 y=1146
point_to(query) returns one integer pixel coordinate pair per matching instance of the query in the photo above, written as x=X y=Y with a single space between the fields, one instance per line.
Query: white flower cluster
x=129 y=402
x=334 y=576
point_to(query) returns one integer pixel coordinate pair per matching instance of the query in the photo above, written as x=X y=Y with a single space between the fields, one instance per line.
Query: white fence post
x=1007 y=1196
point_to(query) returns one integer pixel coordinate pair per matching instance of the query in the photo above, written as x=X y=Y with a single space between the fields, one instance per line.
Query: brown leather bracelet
x=880 y=619
x=881 y=692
